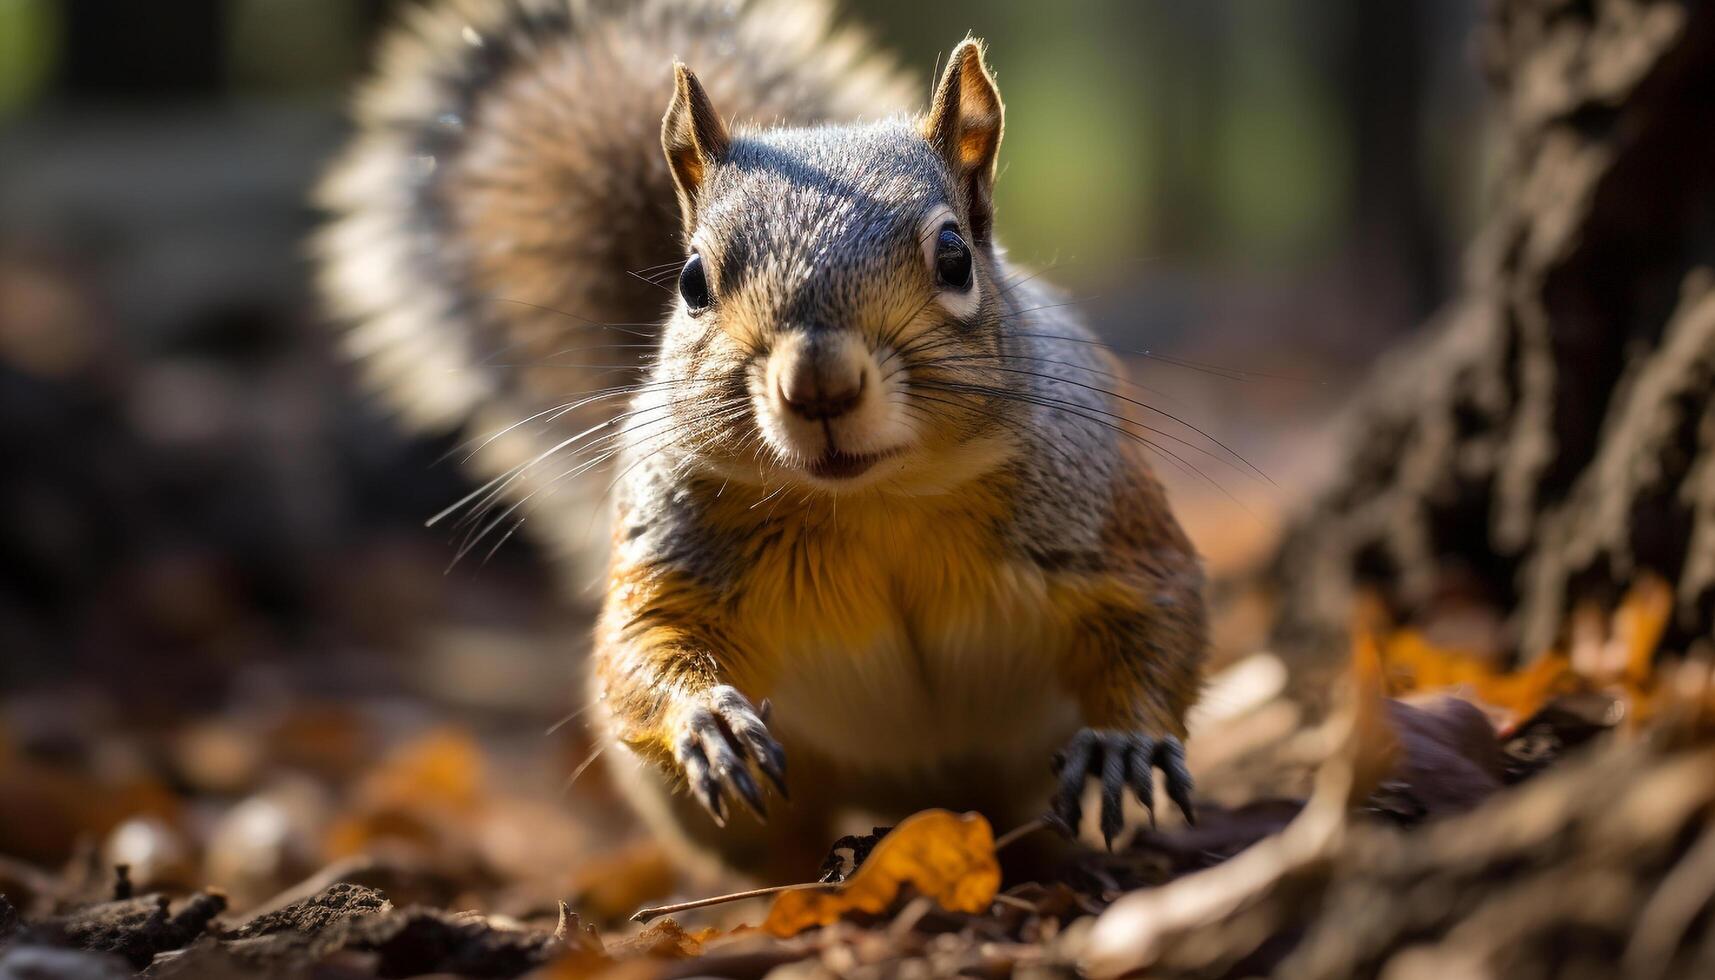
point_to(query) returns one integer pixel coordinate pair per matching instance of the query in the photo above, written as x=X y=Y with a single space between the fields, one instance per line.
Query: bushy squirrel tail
x=502 y=226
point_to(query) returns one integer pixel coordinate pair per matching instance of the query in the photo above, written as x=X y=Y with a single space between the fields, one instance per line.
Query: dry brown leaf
x=642 y=955
x=665 y=940
x=946 y=856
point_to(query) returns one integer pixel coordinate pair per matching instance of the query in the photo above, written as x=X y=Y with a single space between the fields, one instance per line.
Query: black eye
x=952 y=259
x=694 y=285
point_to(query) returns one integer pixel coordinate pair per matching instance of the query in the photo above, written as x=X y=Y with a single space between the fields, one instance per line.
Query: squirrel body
x=876 y=513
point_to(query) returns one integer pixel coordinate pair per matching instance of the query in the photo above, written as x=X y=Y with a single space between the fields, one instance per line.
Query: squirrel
x=879 y=531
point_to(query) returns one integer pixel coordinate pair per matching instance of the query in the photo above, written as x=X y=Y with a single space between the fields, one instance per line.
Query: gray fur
x=543 y=118
x=507 y=182
x=819 y=219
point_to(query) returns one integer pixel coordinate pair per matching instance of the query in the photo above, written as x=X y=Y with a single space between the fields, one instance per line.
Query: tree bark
x=1552 y=435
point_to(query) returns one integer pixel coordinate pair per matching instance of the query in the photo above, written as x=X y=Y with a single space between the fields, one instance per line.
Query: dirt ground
x=1423 y=811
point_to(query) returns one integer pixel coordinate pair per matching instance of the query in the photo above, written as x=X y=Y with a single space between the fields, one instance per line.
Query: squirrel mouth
x=837 y=465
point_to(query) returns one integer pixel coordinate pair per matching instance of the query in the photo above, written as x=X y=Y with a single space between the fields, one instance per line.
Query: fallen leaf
x=643 y=955
x=945 y=856
x=1612 y=653
x=1412 y=664
x=1372 y=744
x=665 y=940
x=1639 y=624
x=1449 y=760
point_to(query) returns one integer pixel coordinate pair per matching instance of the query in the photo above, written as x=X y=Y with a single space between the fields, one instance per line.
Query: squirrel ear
x=964 y=125
x=694 y=139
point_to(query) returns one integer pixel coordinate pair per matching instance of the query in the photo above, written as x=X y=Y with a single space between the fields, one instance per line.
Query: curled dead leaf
x=945 y=856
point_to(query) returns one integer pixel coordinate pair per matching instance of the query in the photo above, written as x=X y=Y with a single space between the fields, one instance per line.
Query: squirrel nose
x=818 y=388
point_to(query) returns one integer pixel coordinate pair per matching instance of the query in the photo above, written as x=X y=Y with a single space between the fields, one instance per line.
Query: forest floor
x=1406 y=808
x=390 y=789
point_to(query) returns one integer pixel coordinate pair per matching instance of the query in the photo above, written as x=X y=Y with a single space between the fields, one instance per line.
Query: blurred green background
x=1273 y=186
x=1245 y=134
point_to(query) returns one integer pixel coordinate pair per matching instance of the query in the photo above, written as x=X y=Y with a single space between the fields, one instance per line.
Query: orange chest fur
x=883 y=638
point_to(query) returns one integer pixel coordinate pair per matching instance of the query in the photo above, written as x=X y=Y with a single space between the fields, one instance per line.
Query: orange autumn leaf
x=1639 y=624
x=1612 y=654
x=1413 y=664
x=1372 y=748
x=947 y=856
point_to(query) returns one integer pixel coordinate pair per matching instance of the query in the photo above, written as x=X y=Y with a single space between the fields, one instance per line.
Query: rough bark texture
x=1553 y=435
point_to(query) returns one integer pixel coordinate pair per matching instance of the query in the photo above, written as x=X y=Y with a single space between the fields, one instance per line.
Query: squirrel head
x=838 y=318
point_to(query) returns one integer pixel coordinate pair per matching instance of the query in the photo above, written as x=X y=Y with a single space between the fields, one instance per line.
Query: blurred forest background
x=232 y=655
x=193 y=493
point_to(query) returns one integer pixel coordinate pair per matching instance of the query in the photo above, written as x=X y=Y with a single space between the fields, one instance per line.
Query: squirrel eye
x=952 y=259
x=694 y=284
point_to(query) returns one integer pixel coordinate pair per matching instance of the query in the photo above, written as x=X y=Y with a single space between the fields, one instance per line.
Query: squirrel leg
x=1136 y=670
x=693 y=754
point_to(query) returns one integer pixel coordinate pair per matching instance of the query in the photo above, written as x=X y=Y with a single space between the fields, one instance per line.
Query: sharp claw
x=748 y=791
x=1126 y=759
x=765 y=751
x=728 y=765
x=1171 y=757
x=722 y=736
x=771 y=759
x=1141 y=775
x=750 y=738
x=1113 y=786
x=1075 y=765
x=708 y=791
x=701 y=780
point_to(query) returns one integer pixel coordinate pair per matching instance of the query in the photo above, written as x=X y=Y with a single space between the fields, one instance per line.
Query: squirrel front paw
x=718 y=736
x=1118 y=759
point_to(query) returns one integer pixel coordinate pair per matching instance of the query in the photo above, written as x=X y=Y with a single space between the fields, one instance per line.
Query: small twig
x=1022 y=830
x=644 y=915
